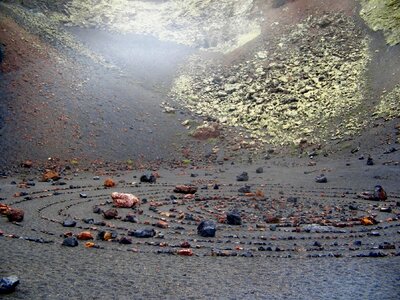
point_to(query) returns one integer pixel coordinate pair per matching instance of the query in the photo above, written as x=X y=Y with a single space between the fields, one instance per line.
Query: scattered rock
x=124 y=200
x=109 y=183
x=70 y=242
x=83 y=195
x=206 y=131
x=370 y=161
x=110 y=213
x=148 y=178
x=106 y=235
x=245 y=189
x=185 y=252
x=366 y=221
x=321 y=179
x=84 y=236
x=259 y=170
x=185 y=244
x=143 y=233
x=242 y=177
x=125 y=240
x=8 y=284
x=50 y=175
x=162 y=224
x=130 y=218
x=15 y=215
x=69 y=223
x=387 y=246
x=207 y=229
x=233 y=218
x=185 y=189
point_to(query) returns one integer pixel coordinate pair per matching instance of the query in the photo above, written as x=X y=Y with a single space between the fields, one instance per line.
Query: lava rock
x=259 y=170
x=207 y=229
x=84 y=236
x=387 y=246
x=377 y=254
x=233 y=218
x=244 y=189
x=247 y=254
x=109 y=183
x=112 y=213
x=143 y=233
x=15 y=215
x=242 y=177
x=70 y=242
x=69 y=223
x=130 y=218
x=185 y=189
x=8 y=284
x=106 y=235
x=148 y=178
x=125 y=240
x=321 y=179
x=97 y=210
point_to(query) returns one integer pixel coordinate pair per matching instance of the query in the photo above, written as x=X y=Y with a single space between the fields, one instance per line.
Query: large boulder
x=206 y=229
x=124 y=200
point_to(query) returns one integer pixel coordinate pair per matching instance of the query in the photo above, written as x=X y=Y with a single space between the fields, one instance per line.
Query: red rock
x=84 y=235
x=109 y=183
x=185 y=189
x=110 y=214
x=4 y=209
x=162 y=224
x=50 y=175
x=206 y=131
x=15 y=215
x=124 y=200
x=185 y=252
x=185 y=244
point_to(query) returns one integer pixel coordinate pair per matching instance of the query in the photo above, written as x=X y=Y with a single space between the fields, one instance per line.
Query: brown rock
x=162 y=224
x=206 y=131
x=84 y=235
x=50 y=175
x=4 y=209
x=15 y=215
x=185 y=189
x=112 y=213
x=109 y=183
